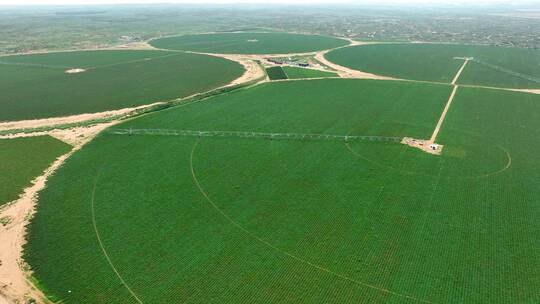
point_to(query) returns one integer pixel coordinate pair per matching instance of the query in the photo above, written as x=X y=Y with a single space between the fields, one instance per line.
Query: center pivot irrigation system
x=241 y=134
x=507 y=71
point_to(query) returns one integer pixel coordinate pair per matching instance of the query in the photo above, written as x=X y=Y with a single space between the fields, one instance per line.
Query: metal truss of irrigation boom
x=242 y=134
x=507 y=71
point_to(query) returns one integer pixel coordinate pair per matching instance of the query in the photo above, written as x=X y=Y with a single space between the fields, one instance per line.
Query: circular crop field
x=67 y=83
x=165 y=217
x=488 y=66
x=249 y=43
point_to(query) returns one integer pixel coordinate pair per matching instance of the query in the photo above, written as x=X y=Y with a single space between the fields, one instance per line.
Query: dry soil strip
x=286 y=253
x=46 y=122
x=443 y=115
x=460 y=71
x=347 y=72
x=15 y=286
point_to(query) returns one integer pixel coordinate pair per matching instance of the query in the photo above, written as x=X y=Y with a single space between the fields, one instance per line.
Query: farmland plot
x=300 y=73
x=336 y=106
x=491 y=66
x=171 y=240
x=232 y=220
x=23 y=159
x=60 y=84
x=249 y=43
x=276 y=73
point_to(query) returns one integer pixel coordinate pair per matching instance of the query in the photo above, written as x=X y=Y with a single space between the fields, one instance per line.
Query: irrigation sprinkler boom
x=241 y=134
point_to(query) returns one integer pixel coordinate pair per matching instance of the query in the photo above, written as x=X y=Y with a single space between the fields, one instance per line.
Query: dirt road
x=15 y=286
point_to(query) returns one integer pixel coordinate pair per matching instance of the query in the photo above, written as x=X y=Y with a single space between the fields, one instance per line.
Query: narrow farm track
x=147 y=59
x=443 y=115
x=449 y=102
x=284 y=252
x=294 y=136
x=508 y=164
x=18 y=276
x=454 y=81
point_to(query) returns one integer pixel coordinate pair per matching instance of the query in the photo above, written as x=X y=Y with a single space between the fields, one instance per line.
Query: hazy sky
x=74 y=2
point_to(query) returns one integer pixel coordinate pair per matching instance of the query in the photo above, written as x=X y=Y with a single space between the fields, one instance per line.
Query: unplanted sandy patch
x=423 y=144
x=72 y=136
x=75 y=71
x=346 y=72
x=532 y=91
x=253 y=71
x=46 y=122
x=15 y=284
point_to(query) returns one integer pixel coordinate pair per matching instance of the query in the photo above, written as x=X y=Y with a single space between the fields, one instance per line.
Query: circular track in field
x=249 y=43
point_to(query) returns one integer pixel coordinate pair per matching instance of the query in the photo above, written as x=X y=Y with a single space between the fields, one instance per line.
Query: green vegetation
x=69 y=27
x=23 y=159
x=36 y=86
x=276 y=73
x=147 y=205
x=336 y=106
x=208 y=220
x=176 y=219
x=5 y=220
x=492 y=66
x=249 y=43
x=301 y=73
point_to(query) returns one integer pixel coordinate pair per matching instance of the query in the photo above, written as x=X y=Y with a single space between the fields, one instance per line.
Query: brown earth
x=15 y=283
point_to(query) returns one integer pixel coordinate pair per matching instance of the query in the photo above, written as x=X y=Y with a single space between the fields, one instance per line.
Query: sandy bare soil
x=143 y=45
x=314 y=65
x=319 y=56
x=253 y=70
x=533 y=91
x=424 y=145
x=430 y=145
x=75 y=71
x=15 y=286
x=73 y=136
x=454 y=81
x=37 y=123
x=443 y=115
x=346 y=72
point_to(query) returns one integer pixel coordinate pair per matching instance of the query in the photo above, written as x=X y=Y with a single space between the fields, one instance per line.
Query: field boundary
x=450 y=99
x=20 y=280
x=430 y=145
x=284 y=252
x=84 y=120
x=443 y=115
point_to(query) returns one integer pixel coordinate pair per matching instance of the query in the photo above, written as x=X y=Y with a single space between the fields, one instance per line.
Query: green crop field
x=243 y=220
x=300 y=73
x=167 y=218
x=276 y=73
x=249 y=43
x=23 y=159
x=492 y=66
x=36 y=86
x=336 y=106
x=273 y=192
